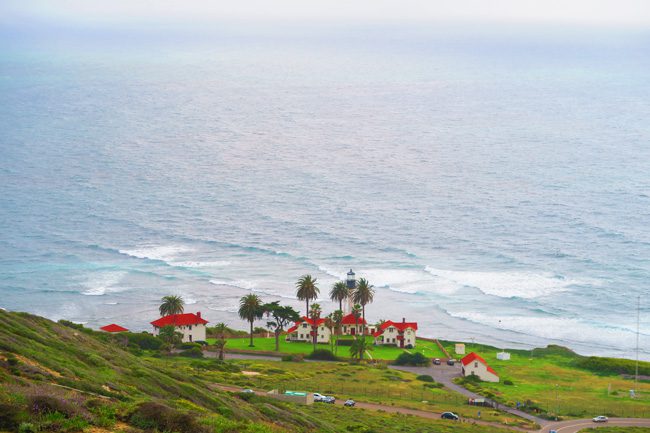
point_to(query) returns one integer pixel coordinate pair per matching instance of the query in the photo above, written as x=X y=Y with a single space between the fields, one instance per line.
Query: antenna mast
x=638 y=317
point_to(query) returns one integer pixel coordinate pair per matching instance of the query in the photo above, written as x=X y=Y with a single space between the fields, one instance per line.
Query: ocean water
x=492 y=185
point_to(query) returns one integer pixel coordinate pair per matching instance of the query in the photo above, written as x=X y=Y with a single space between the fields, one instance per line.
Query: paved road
x=386 y=408
x=446 y=373
x=576 y=425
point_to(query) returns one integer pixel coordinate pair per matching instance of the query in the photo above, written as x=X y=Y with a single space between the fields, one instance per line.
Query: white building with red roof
x=303 y=330
x=400 y=334
x=113 y=328
x=351 y=325
x=191 y=325
x=473 y=364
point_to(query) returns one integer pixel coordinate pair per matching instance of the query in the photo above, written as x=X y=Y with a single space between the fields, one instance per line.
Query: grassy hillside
x=64 y=378
x=555 y=379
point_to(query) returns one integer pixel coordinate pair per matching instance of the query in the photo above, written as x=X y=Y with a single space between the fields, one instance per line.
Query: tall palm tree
x=330 y=324
x=363 y=294
x=307 y=290
x=171 y=304
x=314 y=315
x=337 y=318
x=339 y=293
x=250 y=309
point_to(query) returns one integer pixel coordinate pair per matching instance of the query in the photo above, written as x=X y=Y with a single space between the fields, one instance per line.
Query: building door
x=352 y=331
x=401 y=344
x=190 y=338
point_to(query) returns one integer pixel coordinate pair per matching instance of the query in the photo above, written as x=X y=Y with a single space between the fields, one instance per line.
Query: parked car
x=451 y=361
x=437 y=361
x=449 y=415
x=600 y=418
x=248 y=391
x=323 y=398
x=349 y=402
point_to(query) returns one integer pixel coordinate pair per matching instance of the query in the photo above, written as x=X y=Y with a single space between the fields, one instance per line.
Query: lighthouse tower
x=351 y=283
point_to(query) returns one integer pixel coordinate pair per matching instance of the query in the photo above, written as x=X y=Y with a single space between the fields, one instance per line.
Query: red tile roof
x=294 y=328
x=311 y=322
x=113 y=328
x=351 y=320
x=401 y=326
x=475 y=357
x=180 y=320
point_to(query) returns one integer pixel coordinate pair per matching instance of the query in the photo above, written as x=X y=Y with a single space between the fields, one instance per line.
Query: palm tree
x=314 y=315
x=359 y=347
x=171 y=304
x=307 y=290
x=363 y=294
x=356 y=312
x=339 y=293
x=337 y=318
x=170 y=336
x=250 y=309
x=330 y=324
x=220 y=344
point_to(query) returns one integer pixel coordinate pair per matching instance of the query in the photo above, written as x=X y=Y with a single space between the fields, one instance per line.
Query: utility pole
x=557 y=403
x=638 y=320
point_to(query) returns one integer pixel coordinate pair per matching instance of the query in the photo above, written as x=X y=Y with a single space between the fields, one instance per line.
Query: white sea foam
x=552 y=328
x=198 y=264
x=101 y=283
x=509 y=284
x=157 y=252
x=188 y=300
x=242 y=284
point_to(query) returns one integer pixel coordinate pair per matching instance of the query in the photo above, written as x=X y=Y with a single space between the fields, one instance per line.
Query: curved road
x=576 y=425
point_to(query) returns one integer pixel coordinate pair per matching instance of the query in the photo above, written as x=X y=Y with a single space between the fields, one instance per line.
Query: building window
x=476 y=364
x=190 y=337
x=190 y=327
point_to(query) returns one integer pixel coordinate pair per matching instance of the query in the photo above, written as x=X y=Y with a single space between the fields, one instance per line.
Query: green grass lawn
x=428 y=348
x=550 y=380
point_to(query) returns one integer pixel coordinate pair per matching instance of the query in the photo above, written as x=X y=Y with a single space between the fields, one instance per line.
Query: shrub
x=425 y=378
x=508 y=382
x=9 y=416
x=194 y=352
x=151 y=416
x=27 y=427
x=293 y=358
x=434 y=385
x=187 y=346
x=144 y=340
x=70 y=324
x=323 y=355
x=416 y=359
x=44 y=404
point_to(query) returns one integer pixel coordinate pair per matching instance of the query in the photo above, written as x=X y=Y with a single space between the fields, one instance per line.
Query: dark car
x=349 y=402
x=436 y=361
x=449 y=415
x=451 y=361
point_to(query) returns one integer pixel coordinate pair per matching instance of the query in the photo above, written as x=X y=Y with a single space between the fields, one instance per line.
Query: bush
x=293 y=358
x=416 y=359
x=144 y=340
x=322 y=355
x=156 y=416
x=187 y=346
x=9 y=416
x=425 y=378
x=194 y=352
x=44 y=404
x=27 y=427
x=72 y=325
x=508 y=382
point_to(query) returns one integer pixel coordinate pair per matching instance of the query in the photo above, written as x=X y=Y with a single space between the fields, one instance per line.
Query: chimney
x=198 y=314
x=403 y=319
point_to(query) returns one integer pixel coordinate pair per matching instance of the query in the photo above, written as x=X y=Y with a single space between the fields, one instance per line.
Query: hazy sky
x=621 y=13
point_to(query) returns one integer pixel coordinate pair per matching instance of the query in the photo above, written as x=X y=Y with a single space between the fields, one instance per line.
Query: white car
x=318 y=397
x=600 y=418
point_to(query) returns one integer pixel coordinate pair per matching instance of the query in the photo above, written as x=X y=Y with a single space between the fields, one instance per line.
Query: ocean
x=493 y=184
